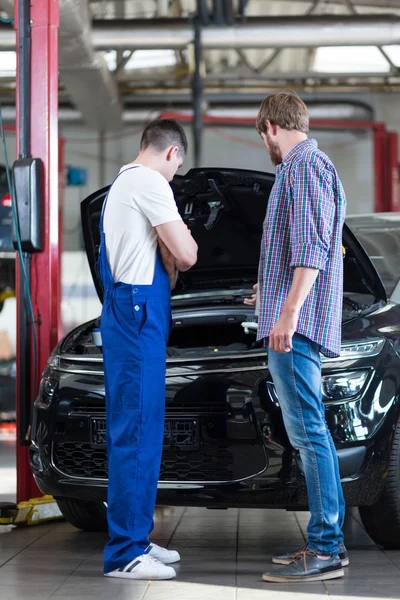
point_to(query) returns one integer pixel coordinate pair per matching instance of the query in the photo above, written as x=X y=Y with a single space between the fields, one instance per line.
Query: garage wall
x=238 y=147
x=351 y=152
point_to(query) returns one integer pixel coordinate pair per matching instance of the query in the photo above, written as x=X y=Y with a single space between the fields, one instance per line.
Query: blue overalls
x=135 y=324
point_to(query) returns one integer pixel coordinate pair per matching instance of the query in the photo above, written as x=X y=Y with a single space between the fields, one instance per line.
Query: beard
x=274 y=151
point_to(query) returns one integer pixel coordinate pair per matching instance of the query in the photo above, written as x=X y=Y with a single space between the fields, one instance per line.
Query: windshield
x=380 y=236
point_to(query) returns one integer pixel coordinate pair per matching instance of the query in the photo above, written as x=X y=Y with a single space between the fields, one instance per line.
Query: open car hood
x=225 y=210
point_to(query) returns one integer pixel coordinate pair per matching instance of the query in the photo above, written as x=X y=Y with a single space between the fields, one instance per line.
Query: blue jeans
x=297 y=379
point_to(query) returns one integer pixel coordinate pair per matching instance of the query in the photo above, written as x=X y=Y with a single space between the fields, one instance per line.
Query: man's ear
x=272 y=128
x=172 y=151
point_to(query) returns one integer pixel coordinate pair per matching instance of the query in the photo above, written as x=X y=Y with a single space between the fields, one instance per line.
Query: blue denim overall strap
x=134 y=327
x=104 y=268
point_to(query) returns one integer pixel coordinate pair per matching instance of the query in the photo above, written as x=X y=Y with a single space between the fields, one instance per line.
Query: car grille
x=76 y=459
x=211 y=463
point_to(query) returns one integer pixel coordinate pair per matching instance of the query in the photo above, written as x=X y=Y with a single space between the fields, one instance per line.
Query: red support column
x=45 y=269
x=61 y=188
x=379 y=138
x=393 y=171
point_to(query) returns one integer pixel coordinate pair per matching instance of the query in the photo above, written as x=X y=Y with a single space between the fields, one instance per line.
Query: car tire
x=382 y=520
x=88 y=516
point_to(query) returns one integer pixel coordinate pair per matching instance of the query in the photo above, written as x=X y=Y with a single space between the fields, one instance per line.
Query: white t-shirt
x=139 y=200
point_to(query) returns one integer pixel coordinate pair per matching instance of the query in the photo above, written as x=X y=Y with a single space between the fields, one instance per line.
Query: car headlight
x=54 y=361
x=356 y=350
x=46 y=392
x=343 y=385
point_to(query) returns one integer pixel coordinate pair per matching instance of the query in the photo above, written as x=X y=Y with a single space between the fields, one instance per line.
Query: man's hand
x=252 y=301
x=280 y=337
x=169 y=263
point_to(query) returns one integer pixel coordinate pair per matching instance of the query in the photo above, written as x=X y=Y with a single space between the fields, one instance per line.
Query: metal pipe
x=24 y=79
x=24 y=151
x=341 y=110
x=197 y=95
x=218 y=12
x=255 y=32
x=258 y=32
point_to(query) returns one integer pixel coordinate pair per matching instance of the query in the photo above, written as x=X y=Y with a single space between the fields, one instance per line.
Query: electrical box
x=28 y=194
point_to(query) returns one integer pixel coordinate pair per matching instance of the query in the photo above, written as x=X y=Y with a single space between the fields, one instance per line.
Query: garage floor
x=223 y=556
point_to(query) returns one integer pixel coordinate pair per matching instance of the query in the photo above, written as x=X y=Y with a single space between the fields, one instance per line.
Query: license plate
x=182 y=434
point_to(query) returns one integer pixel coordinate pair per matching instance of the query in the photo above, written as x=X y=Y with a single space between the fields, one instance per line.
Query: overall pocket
x=139 y=310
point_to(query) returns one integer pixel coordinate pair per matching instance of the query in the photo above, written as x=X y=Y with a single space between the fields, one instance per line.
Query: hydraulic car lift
x=36 y=23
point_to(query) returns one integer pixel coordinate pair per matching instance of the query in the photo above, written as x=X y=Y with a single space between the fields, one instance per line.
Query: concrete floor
x=224 y=554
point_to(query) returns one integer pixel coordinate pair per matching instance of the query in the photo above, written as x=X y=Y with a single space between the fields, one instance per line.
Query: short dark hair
x=163 y=133
x=285 y=109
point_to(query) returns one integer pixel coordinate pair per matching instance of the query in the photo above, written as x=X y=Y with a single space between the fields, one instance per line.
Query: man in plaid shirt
x=299 y=299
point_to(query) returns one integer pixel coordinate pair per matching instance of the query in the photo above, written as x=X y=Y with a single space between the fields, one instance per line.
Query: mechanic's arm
x=312 y=215
x=169 y=263
x=178 y=240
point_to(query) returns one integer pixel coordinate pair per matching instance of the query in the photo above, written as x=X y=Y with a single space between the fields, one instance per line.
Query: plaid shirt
x=303 y=228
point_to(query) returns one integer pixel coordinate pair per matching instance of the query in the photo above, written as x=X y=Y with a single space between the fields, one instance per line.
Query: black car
x=225 y=444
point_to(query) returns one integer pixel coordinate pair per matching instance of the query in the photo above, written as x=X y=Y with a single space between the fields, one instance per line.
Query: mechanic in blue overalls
x=144 y=244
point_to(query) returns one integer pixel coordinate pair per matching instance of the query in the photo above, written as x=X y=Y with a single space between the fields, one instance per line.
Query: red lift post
x=45 y=265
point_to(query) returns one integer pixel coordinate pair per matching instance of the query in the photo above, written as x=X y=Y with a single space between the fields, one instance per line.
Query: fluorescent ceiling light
x=393 y=53
x=150 y=59
x=142 y=59
x=111 y=59
x=8 y=64
x=350 y=59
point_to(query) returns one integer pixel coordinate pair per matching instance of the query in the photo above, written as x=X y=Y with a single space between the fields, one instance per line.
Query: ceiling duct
x=84 y=72
x=90 y=85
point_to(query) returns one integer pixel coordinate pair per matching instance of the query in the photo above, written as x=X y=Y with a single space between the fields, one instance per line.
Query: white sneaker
x=144 y=567
x=165 y=556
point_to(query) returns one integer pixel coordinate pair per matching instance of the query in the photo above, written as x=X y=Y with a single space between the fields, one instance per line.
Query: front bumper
x=256 y=492
x=238 y=453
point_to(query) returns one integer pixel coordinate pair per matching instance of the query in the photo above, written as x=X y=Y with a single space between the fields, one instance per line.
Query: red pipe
x=314 y=123
x=393 y=175
x=384 y=152
x=379 y=168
